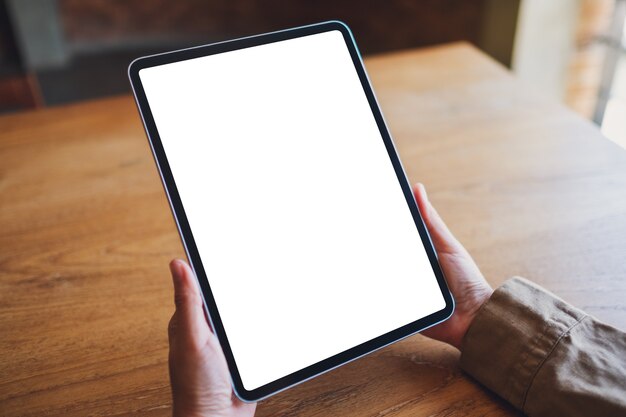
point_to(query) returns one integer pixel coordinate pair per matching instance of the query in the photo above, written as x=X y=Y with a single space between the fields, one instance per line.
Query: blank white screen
x=303 y=230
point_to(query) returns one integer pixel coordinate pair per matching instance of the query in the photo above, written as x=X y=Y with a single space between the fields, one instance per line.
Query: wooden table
x=86 y=234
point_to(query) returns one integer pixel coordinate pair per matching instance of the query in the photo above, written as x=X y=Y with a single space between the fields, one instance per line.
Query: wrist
x=479 y=300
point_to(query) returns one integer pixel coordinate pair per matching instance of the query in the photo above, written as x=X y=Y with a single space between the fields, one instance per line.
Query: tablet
x=291 y=201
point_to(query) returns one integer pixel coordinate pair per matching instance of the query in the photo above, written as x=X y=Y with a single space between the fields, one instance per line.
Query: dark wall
x=92 y=41
x=378 y=25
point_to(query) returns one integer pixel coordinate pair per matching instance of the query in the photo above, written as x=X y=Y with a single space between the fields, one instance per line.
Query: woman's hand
x=466 y=282
x=198 y=371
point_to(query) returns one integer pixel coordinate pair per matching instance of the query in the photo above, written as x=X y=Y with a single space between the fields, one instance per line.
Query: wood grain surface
x=86 y=233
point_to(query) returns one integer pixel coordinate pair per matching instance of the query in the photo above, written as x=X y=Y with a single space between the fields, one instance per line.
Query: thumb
x=190 y=324
x=442 y=237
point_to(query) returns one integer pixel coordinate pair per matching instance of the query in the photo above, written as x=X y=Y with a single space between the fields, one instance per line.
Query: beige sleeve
x=544 y=356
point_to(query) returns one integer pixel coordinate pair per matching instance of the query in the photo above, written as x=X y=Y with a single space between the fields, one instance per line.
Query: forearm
x=544 y=356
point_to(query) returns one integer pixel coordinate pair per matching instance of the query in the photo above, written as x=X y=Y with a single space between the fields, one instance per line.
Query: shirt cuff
x=512 y=335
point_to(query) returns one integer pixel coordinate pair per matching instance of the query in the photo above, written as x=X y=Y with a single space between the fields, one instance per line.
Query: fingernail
x=419 y=184
x=176 y=268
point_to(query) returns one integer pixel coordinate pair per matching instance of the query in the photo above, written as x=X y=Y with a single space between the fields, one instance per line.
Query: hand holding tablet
x=292 y=204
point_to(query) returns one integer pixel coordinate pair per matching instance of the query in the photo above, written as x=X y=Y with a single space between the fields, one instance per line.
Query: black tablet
x=291 y=202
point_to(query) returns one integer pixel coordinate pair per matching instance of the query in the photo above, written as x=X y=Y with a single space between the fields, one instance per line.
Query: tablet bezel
x=187 y=236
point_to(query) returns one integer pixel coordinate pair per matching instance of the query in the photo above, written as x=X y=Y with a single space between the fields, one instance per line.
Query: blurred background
x=54 y=52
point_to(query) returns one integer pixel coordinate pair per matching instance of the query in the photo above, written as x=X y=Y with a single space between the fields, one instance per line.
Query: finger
x=243 y=409
x=442 y=237
x=188 y=324
x=171 y=328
